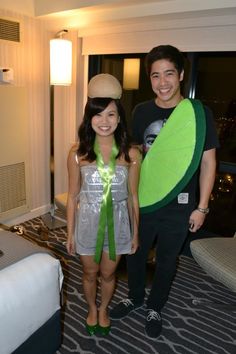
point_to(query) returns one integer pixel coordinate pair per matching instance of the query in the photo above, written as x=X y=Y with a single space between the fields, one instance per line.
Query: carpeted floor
x=188 y=327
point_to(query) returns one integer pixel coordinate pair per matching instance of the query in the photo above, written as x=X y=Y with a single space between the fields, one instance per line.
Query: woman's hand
x=70 y=245
x=134 y=245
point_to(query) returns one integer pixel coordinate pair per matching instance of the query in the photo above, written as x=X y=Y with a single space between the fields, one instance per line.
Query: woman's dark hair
x=165 y=52
x=87 y=135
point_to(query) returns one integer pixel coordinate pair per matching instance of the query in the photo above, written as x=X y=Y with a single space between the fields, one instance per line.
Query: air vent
x=12 y=186
x=9 y=30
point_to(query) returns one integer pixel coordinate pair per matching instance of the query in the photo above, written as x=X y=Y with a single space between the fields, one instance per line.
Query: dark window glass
x=216 y=87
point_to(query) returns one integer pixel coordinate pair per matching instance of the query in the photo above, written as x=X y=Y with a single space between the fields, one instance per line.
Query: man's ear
x=181 y=76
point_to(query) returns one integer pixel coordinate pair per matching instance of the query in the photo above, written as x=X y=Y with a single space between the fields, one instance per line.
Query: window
x=215 y=87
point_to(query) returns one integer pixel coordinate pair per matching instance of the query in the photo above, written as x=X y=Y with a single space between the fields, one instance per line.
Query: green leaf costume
x=174 y=156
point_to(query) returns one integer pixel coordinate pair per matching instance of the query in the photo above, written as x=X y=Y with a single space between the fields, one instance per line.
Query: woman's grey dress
x=88 y=211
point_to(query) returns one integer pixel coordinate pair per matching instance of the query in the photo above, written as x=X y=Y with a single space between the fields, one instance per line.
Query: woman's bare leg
x=107 y=276
x=90 y=270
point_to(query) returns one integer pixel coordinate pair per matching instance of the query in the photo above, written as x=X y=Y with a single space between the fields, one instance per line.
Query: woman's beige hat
x=104 y=85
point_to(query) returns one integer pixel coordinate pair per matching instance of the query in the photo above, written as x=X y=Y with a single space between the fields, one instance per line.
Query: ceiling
x=91 y=15
x=84 y=15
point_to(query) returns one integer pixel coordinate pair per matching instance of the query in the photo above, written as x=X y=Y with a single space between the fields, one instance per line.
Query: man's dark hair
x=165 y=52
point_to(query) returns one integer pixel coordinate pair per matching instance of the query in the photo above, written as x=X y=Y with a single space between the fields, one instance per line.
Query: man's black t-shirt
x=148 y=119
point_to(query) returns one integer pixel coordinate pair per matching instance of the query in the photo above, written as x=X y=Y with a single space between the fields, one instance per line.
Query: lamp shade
x=131 y=73
x=60 y=61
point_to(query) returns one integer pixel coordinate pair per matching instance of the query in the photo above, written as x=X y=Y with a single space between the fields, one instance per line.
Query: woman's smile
x=105 y=122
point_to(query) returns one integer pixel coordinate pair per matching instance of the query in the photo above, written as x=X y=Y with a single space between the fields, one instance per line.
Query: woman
x=103 y=174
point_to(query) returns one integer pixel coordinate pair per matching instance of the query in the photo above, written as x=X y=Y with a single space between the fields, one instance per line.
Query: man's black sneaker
x=123 y=308
x=153 y=324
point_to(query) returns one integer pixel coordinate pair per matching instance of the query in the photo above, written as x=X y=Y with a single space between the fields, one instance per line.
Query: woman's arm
x=73 y=191
x=133 y=180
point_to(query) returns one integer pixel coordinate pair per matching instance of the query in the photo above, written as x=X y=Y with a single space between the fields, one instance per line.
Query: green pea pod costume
x=174 y=156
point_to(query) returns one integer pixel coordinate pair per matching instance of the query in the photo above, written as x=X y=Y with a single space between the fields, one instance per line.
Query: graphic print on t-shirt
x=151 y=133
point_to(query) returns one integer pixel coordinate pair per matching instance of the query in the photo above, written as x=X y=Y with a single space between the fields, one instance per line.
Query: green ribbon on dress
x=106 y=213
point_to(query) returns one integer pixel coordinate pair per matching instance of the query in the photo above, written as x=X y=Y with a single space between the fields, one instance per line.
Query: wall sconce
x=60 y=74
x=131 y=73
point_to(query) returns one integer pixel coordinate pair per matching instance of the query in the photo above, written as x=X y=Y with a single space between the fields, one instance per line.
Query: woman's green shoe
x=104 y=330
x=91 y=329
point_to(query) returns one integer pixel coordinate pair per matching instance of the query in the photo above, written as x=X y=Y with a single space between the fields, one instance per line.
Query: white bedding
x=29 y=296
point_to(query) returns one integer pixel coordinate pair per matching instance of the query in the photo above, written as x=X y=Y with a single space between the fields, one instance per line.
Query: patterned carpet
x=188 y=327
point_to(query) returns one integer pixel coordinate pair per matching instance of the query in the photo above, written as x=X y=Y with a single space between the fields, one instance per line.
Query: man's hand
x=196 y=220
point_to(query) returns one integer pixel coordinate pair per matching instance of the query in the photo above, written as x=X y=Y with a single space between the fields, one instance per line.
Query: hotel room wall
x=212 y=34
x=29 y=60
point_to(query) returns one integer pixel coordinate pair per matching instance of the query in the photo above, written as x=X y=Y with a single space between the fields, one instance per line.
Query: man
x=184 y=207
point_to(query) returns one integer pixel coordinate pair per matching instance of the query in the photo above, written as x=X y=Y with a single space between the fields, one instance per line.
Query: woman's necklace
x=106 y=212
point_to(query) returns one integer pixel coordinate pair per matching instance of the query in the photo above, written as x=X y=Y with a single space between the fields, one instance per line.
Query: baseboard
x=30 y=215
